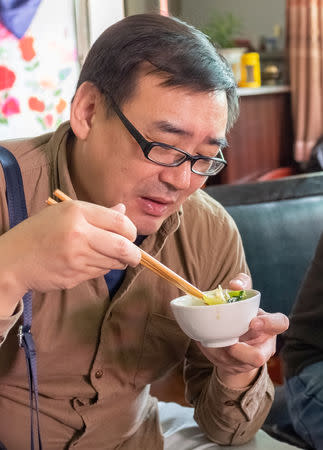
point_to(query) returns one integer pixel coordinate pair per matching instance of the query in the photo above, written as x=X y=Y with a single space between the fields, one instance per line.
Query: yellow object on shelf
x=250 y=70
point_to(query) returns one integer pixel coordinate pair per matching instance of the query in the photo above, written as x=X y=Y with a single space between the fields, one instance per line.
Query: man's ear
x=83 y=109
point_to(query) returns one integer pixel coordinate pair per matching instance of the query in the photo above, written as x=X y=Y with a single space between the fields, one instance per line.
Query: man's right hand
x=62 y=246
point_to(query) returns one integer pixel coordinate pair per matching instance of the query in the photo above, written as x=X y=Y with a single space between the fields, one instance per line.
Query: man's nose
x=178 y=177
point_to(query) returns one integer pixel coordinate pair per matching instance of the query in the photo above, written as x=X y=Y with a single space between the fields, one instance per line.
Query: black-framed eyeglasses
x=169 y=156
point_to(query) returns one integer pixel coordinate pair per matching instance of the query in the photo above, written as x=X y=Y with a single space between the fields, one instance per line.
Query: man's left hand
x=239 y=364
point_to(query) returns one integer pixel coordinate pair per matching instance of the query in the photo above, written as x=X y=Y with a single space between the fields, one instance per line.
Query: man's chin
x=145 y=227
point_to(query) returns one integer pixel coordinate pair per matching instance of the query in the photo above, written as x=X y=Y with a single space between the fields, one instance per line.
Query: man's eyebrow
x=164 y=125
x=220 y=142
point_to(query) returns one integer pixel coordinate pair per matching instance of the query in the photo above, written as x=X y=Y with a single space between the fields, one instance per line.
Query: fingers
x=270 y=324
x=98 y=235
x=120 y=207
x=241 y=357
x=108 y=231
x=254 y=349
x=113 y=247
x=110 y=219
x=253 y=356
x=240 y=282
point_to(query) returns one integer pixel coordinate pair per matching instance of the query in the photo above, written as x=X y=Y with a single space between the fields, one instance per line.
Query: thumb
x=241 y=281
x=120 y=207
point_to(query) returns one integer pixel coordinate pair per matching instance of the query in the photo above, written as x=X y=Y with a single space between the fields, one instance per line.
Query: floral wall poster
x=38 y=73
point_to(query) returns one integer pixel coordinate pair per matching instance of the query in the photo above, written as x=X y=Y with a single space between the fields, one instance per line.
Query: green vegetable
x=236 y=296
x=219 y=296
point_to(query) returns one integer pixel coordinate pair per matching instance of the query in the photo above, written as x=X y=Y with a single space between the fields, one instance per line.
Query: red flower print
x=61 y=105
x=4 y=33
x=7 y=78
x=48 y=120
x=10 y=106
x=35 y=104
x=26 y=48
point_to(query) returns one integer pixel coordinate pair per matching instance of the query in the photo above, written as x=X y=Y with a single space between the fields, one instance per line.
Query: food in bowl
x=216 y=325
x=220 y=295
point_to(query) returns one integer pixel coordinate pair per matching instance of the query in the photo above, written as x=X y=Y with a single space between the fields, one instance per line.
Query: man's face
x=116 y=168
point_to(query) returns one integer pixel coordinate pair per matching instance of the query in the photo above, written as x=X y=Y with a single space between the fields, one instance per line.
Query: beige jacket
x=96 y=357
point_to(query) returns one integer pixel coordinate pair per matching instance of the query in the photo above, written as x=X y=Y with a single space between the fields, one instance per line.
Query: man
x=147 y=126
x=303 y=356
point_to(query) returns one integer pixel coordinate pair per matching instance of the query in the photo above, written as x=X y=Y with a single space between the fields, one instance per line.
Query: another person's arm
x=303 y=355
x=303 y=342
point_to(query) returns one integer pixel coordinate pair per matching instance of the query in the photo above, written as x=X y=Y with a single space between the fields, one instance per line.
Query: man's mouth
x=155 y=206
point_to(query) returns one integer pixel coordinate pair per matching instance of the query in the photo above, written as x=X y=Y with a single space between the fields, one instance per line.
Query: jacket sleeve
x=303 y=341
x=227 y=416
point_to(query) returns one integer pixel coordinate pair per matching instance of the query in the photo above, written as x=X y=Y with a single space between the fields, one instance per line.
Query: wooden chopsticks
x=148 y=261
x=163 y=271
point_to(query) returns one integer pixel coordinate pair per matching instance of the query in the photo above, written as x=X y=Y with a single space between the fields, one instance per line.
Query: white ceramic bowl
x=215 y=325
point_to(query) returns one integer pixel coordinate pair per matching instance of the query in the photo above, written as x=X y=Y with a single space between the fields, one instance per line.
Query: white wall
x=102 y=14
x=258 y=16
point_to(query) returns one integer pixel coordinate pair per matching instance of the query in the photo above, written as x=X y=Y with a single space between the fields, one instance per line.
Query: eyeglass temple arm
x=132 y=130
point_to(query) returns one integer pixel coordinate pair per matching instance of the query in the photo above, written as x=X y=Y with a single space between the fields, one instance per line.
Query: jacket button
x=98 y=373
x=229 y=403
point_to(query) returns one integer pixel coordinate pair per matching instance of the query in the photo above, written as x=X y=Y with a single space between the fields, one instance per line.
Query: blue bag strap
x=17 y=213
x=14 y=188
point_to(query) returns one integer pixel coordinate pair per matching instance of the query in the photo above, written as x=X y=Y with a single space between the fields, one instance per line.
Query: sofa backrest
x=280 y=222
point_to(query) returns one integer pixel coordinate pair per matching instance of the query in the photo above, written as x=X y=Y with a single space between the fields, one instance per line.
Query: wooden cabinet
x=262 y=138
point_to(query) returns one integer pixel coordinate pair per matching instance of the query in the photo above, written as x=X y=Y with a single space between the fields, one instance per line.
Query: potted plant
x=222 y=29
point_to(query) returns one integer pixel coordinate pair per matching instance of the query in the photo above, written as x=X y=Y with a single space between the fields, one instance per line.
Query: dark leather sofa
x=280 y=222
